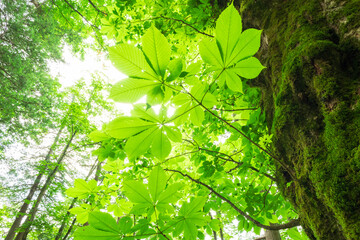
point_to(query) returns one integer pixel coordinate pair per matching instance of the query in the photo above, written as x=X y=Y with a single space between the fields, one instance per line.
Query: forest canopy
x=236 y=127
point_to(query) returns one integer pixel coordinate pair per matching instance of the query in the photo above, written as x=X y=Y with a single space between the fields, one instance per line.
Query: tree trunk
x=310 y=94
x=30 y=218
x=24 y=207
x=272 y=235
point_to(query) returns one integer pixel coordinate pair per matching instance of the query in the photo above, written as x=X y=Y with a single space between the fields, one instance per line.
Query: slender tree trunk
x=311 y=97
x=272 y=235
x=34 y=187
x=67 y=215
x=30 y=218
x=69 y=230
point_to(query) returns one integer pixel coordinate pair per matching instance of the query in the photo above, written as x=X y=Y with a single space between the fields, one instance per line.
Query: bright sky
x=73 y=69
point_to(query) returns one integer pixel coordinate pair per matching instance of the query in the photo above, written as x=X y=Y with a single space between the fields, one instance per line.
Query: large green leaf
x=197 y=116
x=124 y=127
x=228 y=31
x=247 y=46
x=173 y=133
x=90 y=233
x=104 y=222
x=191 y=217
x=232 y=80
x=131 y=61
x=141 y=111
x=161 y=146
x=171 y=193
x=210 y=53
x=139 y=144
x=136 y=192
x=157 y=183
x=249 y=68
x=131 y=89
x=156 y=49
x=175 y=68
x=81 y=188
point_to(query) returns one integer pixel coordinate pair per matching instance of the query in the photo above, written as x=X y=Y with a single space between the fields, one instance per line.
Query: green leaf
x=103 y=221
x=161 y=146
x=210 y=53
x=131 y=61
x=215 y=224
x=90 y=233
x=156 y=95
x=81 y=188
x=249 y=68
x=171 y=193
x=233 y=81
x=173 y=133
x=139 y=144
x=247 y=46
x=181 y=99
x=157 y=183
x=209 y=100
x=81 y=213
x=124 y=127
x=175 y=68
x=98 y=136
x=227 y=32
x=194 y=206
x=136 y=192
x=156 y=49
x=131 y=89
x=141 y=111
x=197 y=116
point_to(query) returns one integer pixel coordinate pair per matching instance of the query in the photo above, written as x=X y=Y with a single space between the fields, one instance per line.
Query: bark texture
x=311 y=90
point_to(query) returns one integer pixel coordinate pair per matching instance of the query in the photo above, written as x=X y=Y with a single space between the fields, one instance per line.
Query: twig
x=290 y=224
x=187 y=24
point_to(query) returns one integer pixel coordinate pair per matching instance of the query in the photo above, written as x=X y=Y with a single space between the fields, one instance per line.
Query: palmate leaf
x=131 y=89
x=157 y=50
x=81 y=188
x=131 y=61
x=227 y=32
x=191 y=216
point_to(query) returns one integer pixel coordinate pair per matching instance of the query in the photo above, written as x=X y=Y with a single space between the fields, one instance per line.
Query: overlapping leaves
x=145 y=129
x=154 y=194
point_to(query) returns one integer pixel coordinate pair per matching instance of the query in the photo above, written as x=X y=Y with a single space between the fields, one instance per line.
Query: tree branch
x=80 y=14
x=96 y=8
x=187 y=24
x=290 y=224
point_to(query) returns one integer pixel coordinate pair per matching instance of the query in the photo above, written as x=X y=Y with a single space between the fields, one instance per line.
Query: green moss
x=316 y=118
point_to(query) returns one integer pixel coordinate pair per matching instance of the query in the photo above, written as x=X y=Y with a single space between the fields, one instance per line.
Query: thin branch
x=290 y=224
x=291 y=173
x=75 y=10
x=187 y=24
x=96 y=8
x=234 y=110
